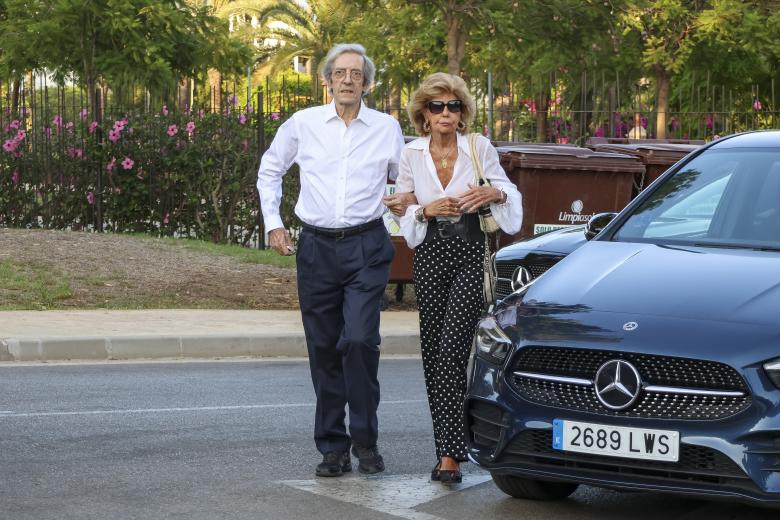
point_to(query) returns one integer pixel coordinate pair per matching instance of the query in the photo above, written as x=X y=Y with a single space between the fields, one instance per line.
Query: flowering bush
x=173 y=173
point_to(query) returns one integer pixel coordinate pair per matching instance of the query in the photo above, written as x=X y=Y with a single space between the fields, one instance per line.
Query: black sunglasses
x=437 y=107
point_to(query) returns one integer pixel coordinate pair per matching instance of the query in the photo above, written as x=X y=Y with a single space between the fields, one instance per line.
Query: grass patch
x=31 y=287
x=244 y=254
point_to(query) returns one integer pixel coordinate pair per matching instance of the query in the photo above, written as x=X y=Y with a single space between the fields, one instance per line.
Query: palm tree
x=287 y=29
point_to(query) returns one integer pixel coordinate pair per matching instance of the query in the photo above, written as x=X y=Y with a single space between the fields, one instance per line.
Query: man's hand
x=399 y=202
x=479 y=196
x=281 y=242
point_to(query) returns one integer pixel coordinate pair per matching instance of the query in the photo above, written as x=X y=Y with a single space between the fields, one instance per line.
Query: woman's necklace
x=443 y=158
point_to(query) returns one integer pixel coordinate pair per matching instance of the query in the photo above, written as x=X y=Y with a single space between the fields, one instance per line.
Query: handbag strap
x=479 y=173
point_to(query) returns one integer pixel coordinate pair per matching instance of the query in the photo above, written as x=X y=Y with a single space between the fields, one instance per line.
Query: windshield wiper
x=738 y=246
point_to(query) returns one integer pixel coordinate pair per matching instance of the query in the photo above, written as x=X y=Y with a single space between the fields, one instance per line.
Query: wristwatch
x=419 y=215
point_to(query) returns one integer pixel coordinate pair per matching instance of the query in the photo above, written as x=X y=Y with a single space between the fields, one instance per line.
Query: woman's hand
x=479 y=196
x=398 y=202
x=443 y=207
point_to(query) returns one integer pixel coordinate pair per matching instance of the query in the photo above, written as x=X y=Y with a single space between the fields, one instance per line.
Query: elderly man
x=346 y=152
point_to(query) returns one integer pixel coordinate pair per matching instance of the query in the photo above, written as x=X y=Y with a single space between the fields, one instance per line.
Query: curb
x=172 y=346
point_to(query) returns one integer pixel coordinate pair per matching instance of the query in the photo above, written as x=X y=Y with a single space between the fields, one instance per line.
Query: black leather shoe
x=435 y=476
x=450 y=476
x=334 y=464
x=370 y=461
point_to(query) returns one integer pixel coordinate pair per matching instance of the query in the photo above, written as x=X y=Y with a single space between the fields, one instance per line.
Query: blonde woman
x=443 y=228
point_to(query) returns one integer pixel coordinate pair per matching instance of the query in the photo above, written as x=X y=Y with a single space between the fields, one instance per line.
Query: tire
x=519 y=487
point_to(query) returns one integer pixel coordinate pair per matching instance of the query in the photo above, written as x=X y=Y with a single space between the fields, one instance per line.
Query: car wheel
x=520 y=487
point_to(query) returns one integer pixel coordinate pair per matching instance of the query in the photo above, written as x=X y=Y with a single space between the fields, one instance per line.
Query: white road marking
x=189 y=409
x=396 y=495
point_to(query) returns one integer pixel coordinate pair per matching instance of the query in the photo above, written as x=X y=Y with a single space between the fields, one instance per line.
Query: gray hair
x=355 y=48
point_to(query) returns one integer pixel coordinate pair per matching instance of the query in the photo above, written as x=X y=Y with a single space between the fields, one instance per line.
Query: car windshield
x=722 y=198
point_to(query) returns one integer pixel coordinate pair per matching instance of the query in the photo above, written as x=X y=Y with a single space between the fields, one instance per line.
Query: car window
x=723 y=197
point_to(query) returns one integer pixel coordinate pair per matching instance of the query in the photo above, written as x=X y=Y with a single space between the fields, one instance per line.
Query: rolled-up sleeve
x=508 y=215
x=273 y=166
x=412 y=230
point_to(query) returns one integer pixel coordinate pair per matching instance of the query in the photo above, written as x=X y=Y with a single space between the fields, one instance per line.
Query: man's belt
x=339 y=233
x=466 y=228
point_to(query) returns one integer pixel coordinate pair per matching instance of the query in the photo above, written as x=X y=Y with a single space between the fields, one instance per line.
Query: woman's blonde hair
x=437 y=84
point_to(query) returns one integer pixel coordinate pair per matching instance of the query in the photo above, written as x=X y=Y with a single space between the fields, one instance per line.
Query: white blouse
x=417 y=173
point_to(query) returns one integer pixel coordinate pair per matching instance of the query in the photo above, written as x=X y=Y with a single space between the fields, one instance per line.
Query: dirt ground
x=119 y=271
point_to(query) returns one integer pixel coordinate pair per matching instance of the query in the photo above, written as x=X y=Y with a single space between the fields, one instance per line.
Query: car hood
x=649 y=279
x=562 y=241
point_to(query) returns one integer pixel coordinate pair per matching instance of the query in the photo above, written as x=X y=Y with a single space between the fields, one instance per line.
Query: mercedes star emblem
x=630 y=325
x=617 y=384
x=520 y=278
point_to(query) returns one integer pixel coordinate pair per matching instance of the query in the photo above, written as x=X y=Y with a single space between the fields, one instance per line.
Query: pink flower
x=201 y=113
x=275 y=116
x=164 y=110
x=69 y=125
x=599 y=132
x=119 y=126
x=15 y=178
x=166 y=219
x=249 y=108
x=83 y=114
x=9 y=146
x=127 y=163
x=756 y=104
x=173 y=130
x=113 y=136
x=57 y=121
x=20 y=135
x=77 y=153
x=14 y=124
x=93 y=126
x=90 y=198
x=190 y=127
x=241 y=119
x=111 y=164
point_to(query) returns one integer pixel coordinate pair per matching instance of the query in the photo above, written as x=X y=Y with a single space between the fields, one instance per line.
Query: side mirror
x=596 y=223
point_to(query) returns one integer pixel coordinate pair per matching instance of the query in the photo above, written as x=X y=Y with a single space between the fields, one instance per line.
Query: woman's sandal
x=435 y=472
x=450 y=476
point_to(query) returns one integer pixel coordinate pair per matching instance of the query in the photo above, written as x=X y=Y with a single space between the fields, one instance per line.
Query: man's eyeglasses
x=437 y=107
x=356 y=75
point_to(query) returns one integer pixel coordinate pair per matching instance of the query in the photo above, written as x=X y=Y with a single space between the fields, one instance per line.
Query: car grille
x=696 y=463
x=655 y=370
x=505 y=270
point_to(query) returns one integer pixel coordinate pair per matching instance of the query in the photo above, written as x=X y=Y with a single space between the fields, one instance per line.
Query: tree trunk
x=183 y=94
x=215 y=87
x=315 y=79
x=456 y=43
x=541 y=117
x=395 y=100
x=15 y=93
x=663 y=81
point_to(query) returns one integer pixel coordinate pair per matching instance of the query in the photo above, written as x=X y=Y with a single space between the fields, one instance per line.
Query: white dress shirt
x=418 y=174
x=343 y=169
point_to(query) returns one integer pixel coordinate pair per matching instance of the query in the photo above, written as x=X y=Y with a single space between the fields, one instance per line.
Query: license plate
x=616 y=441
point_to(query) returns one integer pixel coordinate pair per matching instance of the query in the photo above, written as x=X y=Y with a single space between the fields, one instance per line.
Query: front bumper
x=735 y=459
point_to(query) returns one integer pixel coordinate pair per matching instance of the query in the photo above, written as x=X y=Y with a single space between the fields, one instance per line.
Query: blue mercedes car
x=649 y=358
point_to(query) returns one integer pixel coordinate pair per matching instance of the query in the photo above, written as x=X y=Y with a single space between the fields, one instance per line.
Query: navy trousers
x=340 y=287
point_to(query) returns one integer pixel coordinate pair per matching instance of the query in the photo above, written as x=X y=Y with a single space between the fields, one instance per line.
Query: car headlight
x=773 y=371
x=491 y=340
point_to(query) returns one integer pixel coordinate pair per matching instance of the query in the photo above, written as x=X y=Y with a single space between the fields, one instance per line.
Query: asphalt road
x=208 y=440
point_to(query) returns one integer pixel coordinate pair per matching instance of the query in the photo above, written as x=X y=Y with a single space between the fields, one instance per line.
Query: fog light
x=491 y=340
x=773 y=371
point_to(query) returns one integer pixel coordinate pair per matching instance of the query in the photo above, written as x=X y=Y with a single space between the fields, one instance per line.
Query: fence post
x=260 y=151
x=99 y=198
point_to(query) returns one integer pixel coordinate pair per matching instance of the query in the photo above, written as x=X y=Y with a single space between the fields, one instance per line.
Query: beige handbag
x=489 y=226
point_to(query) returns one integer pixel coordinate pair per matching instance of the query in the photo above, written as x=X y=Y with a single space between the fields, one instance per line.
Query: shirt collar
x=364 y=114
x=423 y=143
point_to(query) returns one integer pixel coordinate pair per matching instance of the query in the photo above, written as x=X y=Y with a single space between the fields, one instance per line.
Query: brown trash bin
x=401 y=267
x=656 y=156
x=566 y=185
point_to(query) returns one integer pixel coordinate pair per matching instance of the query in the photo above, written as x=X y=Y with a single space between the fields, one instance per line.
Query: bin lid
x=664 y=154
x=567 y=157
x=594 y=141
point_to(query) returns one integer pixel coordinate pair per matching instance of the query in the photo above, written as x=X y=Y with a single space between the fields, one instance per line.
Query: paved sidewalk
x=154 y=334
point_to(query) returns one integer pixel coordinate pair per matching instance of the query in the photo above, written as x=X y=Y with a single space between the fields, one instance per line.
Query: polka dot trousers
x=448 y=281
